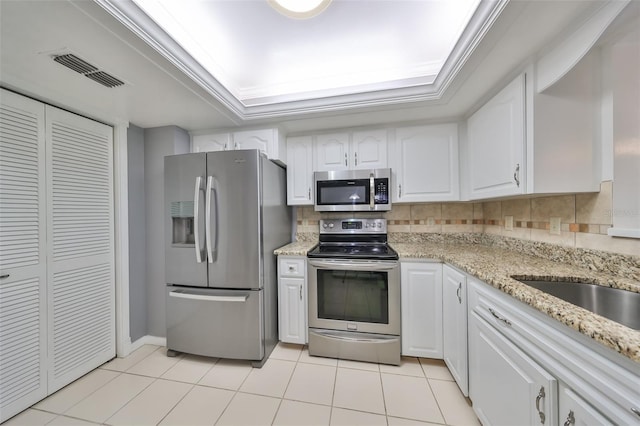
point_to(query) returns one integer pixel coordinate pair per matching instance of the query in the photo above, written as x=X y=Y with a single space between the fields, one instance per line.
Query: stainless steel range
x=354 y=292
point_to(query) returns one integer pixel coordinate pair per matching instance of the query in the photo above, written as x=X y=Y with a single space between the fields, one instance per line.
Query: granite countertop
x=297 y=248
x=495 y=266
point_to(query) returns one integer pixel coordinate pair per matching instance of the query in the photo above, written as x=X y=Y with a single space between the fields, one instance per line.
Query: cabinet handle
x=309 y=193
x=458 y=291
x=635 y=411
x=538 y=398
x=345 y=158
x=300 y=292
x=3 y=276
x=504 y=320
x=356 y=157
x=399 y=191
x=571 y=420
x=226 y=146
x=516 y=175
x=235 y=146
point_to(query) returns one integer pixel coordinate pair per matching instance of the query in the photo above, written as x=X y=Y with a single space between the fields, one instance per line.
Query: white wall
x=158 y=143
x=137 y=234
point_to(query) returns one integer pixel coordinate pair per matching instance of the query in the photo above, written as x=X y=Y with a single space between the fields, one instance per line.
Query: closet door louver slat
x=81 y=317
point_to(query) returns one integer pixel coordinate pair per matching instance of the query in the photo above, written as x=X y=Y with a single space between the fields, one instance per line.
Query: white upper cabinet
x=269 y=141
x=496 y=144
x=213 y=142
x=300 y=170
x=350 y=151
x=331 y=152
x=527 y=142
x=368 y=149
x=424 y=162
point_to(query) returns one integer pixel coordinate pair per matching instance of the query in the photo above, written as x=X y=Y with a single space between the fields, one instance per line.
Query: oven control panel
x=353 y=226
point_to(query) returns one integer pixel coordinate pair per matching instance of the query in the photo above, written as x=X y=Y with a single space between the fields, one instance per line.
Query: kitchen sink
x=621 y=306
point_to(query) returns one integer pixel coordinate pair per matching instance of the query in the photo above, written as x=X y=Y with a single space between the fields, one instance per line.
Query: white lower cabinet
x=528 y=369
x=454 y=325
x=507 y=386
x=292 y=299
x=574 y=410
x=421 y=301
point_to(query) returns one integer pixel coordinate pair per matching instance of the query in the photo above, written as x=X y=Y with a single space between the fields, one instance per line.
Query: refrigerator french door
x=220 y=267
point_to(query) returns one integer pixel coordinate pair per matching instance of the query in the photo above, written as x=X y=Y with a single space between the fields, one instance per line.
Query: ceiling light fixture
x=299 y=9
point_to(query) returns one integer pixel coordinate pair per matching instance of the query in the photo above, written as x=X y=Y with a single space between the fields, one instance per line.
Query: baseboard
x=149 y=340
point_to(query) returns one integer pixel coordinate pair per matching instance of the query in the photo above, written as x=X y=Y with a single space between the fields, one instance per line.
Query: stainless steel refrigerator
x=226 y=213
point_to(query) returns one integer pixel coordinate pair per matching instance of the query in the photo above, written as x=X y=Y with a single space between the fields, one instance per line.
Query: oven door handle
x=352 y=337
x=355 y=265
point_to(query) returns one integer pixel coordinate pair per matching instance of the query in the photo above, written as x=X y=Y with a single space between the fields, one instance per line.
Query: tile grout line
x=437 y=403
x=129 y=401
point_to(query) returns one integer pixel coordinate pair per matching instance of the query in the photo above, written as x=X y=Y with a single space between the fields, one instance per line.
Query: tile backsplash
x=583 y=220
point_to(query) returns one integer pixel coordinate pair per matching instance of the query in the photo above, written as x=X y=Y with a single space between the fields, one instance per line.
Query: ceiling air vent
x=104 y=79
x=83 y=67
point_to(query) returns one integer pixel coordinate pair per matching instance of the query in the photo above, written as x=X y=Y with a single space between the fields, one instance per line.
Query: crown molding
x=374 y=95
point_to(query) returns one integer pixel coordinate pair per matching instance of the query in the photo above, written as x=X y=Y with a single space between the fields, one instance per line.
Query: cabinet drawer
x=292 y=267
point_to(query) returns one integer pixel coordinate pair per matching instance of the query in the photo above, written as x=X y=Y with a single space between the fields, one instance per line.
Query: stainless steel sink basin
x=621 y=306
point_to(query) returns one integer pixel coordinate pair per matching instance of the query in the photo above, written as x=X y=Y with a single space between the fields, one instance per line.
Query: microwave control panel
x=381 y=191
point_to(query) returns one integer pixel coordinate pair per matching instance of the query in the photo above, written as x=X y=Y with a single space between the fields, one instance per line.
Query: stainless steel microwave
x=352 y=190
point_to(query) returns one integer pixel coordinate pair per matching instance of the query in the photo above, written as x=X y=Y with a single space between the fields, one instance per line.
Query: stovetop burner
x=353 y=239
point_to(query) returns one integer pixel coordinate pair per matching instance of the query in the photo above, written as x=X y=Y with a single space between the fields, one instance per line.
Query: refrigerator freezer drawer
x=216 y=323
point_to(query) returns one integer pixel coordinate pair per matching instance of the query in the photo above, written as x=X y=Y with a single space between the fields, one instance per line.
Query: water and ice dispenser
x=182 y=223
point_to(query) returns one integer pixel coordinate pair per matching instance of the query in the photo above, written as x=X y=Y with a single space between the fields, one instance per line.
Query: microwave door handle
x=372 y=193
x=208 y=219
x=196 y=218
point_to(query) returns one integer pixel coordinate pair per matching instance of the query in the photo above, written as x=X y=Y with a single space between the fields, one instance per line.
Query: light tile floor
x=292 y=388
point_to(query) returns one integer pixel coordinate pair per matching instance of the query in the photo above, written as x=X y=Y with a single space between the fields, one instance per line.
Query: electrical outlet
x=431 y=221
x=508 y=223
x=554 y=225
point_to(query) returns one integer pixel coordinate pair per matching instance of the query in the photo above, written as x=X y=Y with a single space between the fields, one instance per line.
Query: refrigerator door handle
x=196 y=219
x=208 y=219
x=207 y=298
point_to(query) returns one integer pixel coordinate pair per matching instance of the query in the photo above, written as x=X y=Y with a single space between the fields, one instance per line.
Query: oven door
x=354 y=295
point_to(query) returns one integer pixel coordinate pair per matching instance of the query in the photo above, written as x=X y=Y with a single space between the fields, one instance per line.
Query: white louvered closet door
x=23 y=340
x=80 y=234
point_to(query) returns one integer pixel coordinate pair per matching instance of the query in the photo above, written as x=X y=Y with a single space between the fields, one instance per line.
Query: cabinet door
x=331 y=152
x=23 y=304
x=575 y=411
x=205 y=143
x=369 y=150
x=292 y=317
x=454 y=325
x=421 y=300
x=80 y=252
x=506 y=386
x=496 y=134
x=300 y=170
x=254 y=139
x=424 y=161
